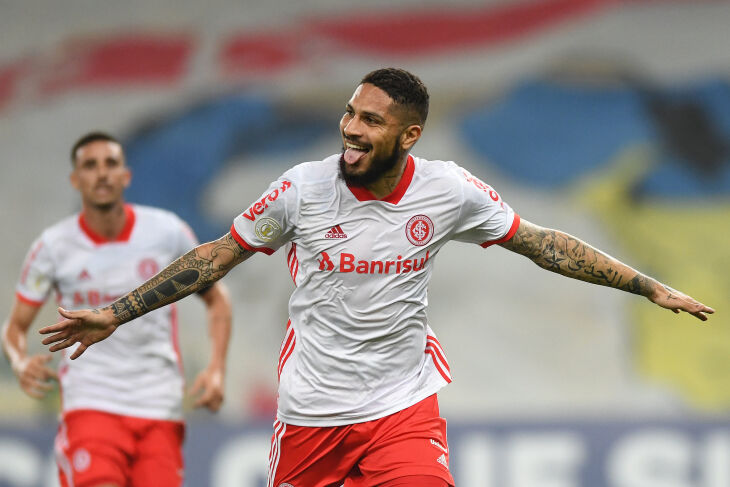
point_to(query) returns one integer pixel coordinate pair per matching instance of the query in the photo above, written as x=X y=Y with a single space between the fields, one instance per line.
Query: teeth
x=353 y=146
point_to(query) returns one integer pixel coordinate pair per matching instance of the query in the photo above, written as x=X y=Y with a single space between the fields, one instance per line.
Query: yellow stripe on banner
x=685 y=244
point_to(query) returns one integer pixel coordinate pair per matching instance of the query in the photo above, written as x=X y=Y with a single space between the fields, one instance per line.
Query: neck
x=106 y=221
x=388 y=181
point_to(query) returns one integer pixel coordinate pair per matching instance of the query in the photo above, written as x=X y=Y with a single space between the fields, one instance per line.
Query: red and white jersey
x=137 y=370
x=358 y=345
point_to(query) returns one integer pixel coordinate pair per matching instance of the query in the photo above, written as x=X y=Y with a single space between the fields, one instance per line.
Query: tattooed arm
x=192 y=272
x=564 y=254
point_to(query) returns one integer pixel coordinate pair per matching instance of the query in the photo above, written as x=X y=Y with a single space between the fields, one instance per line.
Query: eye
x=372 y=120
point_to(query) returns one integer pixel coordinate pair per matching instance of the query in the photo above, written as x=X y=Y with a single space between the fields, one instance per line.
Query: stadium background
x=607 y=119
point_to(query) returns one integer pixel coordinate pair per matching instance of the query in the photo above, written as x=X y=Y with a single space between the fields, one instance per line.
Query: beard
x=105 y=207
x=378 y=167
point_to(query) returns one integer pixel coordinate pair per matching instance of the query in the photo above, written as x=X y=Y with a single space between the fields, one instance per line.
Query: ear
x=74 y=178
x=410 y=136
x=127 y=177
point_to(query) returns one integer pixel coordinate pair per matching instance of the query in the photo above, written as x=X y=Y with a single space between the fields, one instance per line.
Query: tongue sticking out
x=354 y=155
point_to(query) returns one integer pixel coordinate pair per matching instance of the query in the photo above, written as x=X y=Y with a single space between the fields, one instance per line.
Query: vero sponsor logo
x=259 y=207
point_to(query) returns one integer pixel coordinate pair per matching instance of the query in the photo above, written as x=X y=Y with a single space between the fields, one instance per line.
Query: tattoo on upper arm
x=195 y=270
x=562 y=253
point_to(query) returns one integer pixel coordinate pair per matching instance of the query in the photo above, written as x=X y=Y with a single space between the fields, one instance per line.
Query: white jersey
x=137 y=370
x=358 y=345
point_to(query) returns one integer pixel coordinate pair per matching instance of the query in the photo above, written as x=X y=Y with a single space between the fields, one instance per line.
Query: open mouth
x=354 y=153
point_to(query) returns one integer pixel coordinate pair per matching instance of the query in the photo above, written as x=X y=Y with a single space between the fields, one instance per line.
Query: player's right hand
x=34 y=375
x=85 y=327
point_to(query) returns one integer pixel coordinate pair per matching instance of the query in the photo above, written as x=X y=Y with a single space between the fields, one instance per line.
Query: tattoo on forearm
x=569 y=256
x=195 y=270
x=128 y=307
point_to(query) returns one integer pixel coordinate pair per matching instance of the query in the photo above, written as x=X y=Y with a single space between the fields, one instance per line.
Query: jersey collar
x=123 y=235
x=363 y=194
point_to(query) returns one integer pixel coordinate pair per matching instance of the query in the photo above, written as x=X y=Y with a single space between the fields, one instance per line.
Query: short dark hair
x=89 y=138
x=405 y=88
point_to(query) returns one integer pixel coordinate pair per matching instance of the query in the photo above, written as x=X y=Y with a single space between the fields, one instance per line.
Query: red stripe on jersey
x=439 y=368
x=29 y=301
x=175 y=336
x=292 y=342
x=293 y=262
x=123 y=235
x=442 y=363
x=510 y=233
x=433 y=348
x=31 y=258
x=247 y=246
x=287 y=347
x=62 y=370
x=362 y=194
x=288 y=337
x=432 y=342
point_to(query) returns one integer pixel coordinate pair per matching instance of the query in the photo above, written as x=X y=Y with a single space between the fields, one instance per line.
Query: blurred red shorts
x=94 y=447
x=407 y=443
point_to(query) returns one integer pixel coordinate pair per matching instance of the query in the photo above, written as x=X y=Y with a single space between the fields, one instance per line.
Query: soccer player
x=359 y=366
x=121 y=422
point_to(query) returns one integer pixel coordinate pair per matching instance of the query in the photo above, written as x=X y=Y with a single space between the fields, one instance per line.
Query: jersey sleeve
x=485 y=219
x=36 y=276
x=270 y=221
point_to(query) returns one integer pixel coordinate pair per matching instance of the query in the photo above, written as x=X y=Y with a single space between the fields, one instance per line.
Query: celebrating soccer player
x=360 y=366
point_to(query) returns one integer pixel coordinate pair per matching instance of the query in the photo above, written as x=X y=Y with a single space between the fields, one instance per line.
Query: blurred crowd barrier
x=573 y=453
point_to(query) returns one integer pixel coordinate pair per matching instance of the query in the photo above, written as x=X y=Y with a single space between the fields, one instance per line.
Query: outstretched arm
x=209 y=384
x=192 y=272
x=564 y=254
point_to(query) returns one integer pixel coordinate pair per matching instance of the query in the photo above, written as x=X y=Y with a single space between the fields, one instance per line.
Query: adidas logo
x=335 y=232
x=84 y=275
x=442 y=460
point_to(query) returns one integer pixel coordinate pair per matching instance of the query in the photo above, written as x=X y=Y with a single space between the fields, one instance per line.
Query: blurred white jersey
x=358 y=346
x=137 y=370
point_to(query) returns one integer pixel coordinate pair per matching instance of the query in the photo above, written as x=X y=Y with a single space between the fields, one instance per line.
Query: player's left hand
x=669 y=298
x=208 y=387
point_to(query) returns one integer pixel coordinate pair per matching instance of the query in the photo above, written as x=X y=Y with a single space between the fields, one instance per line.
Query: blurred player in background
x=359 y=366
x=122 y=419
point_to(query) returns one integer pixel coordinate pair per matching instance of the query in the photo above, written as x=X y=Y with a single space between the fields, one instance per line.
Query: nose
x=102 y=171
x=352 y=128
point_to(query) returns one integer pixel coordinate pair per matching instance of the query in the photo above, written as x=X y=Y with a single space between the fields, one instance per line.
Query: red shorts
x=94 y=447
x=409 y=442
